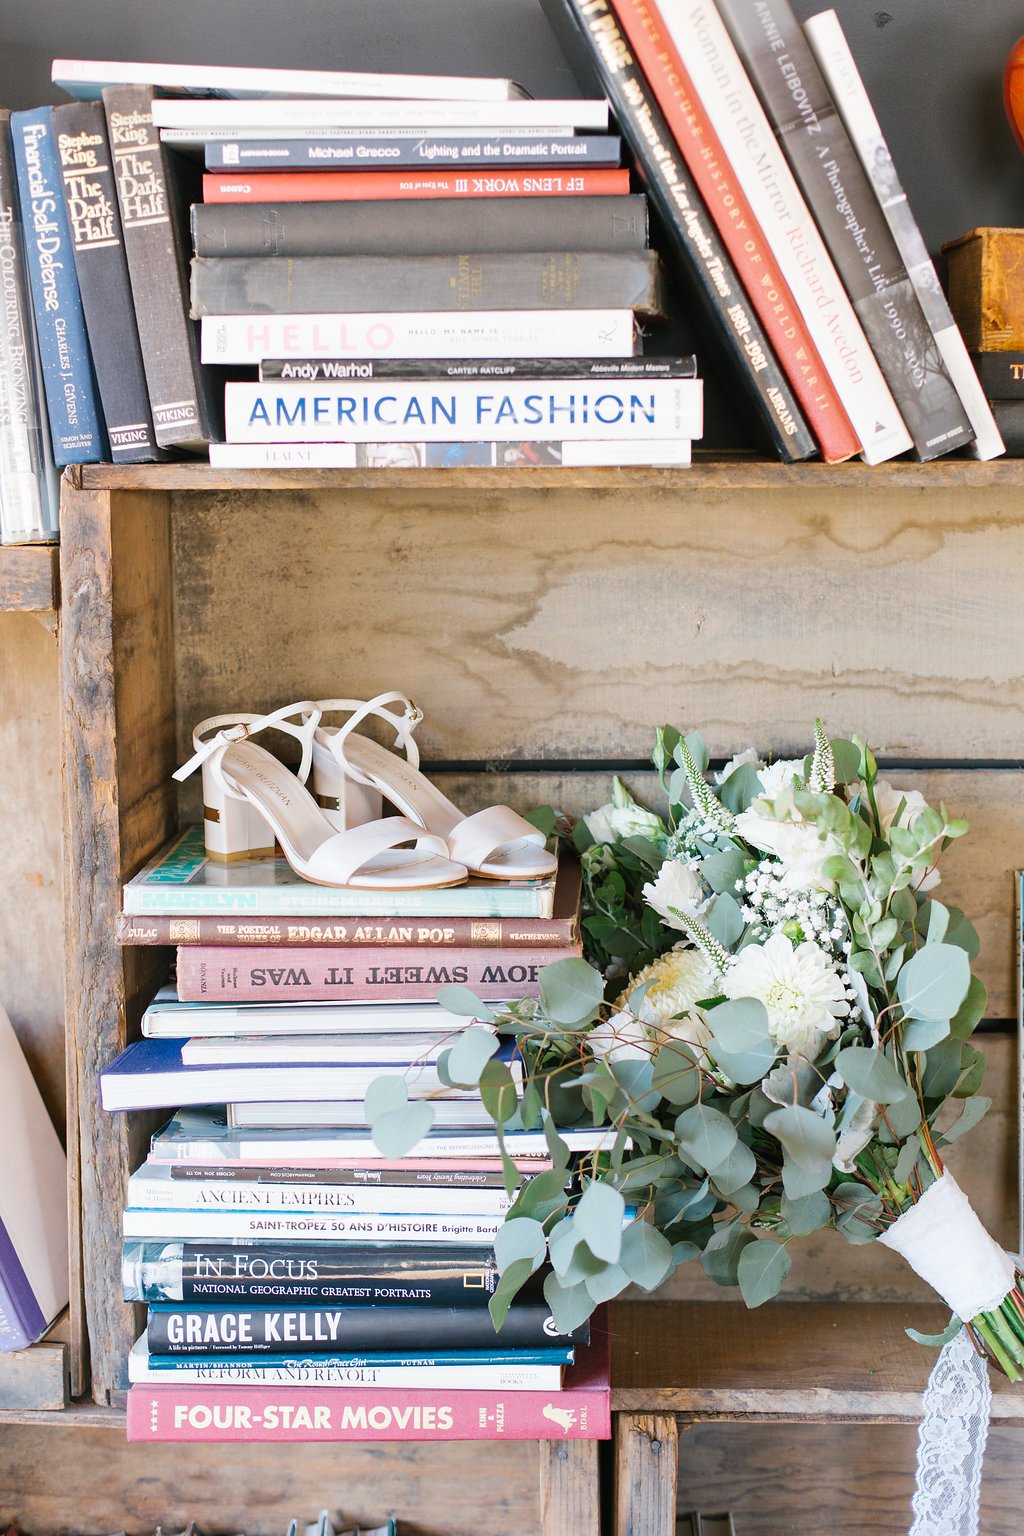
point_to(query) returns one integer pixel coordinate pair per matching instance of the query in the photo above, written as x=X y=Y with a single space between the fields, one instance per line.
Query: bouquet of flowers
x=774 y=1027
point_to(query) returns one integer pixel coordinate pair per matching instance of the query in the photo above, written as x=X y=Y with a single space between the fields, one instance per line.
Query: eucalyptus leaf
x=870 y=1074
x=498 y=1092
x=922 y=1034
x=598 y=1219
x=746 y=1066
x=904 y=1116
x=570 y=1305
x=805 y=1136
x=571 y=991
x=742 y=786
x=938 y=922
x=739 y=1024
x=683 y=1252
x=721 y=1257
x=807 y=1213
x=469 y=1055
x=698 y=750
x=725 y=920
x=607 y=1283
x=675 y=1073
x=973 y=1111
x=971 y=1076
x=971 y=1011
x=937 y=1340
x=384 y=1093
x=802 y=1179
x=737 y=1170
x=563 y=1241
x=706 y=1136
x=635 y=1078
x=541 y=1197
x=859 y=1212
x=942 y=1069
x=508 y=1287
x=517 y=1239
x=962 y=933
x=462 y=1000
x=646 y=1255
x=846 y=757
x=906 y=1162
x=558 y=1150
x=762 y=1270
x=934 y=982
x=721 y=871
x=397 y=1131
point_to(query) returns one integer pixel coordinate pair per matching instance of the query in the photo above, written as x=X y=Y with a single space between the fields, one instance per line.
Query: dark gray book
x=424 y=150
x=792 y=90
x=80 y=132
x=1001 y=374
x=317 y=370
x=482 y=280
x=423 y=227
x=153 y=193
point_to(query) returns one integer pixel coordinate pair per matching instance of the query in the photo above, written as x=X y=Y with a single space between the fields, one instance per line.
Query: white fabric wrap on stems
x=944 y=1242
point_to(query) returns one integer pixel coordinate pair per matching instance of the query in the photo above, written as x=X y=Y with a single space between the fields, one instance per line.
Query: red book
x=360 y=186
x=383 y=975
x=741 y=234
x=581 y=1411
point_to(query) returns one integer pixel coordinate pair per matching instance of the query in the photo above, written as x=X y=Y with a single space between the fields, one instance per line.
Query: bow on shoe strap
x=230 y=728
x=344 y=854
x=479 y=837
x=403 y=726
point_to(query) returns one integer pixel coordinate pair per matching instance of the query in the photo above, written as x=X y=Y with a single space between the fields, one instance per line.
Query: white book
x=466 y=410
x=483 y=333
x=168 y=1019
x=215 y=119
x=33 y=1204
x=385 y=1050
x=456 y=1111
x=832 y=52
x=283 y=455
x=624 y=451
x=318 y=1227
x=323 y=1371
x=153 y=1188
x=85 y=79
x=189 y=138
x=763 y=174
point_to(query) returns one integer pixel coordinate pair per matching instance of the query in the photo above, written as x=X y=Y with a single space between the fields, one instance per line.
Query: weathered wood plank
x=527 y=631
x=28 y=578
x=646 y=1462
x=797 y=1361
x=118 y=697
x=53 y=1482
x=570 y=1488
x=37 y=1377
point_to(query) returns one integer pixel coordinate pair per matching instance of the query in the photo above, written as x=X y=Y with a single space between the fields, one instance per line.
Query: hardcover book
x=753 y=340
x=72 y=398
x=80 y=132
x=999 y=374
x=303 y=285
x=582 y=1410
x=985 y=288
x=608 y=223
x=518 y=333
x=337 y=370
x=361 y=186
x=774 y=50
x=324 y=154
x=218 y=119
x=316 y=1227
x=30 y=495
x=393 y=975
x=153 y=192
x=182 y=880
x=524 y=453
x=167 y=1018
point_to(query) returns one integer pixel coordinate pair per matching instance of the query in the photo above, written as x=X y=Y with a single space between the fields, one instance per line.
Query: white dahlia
x=802 y=994
x=676 y=886
x=678 y=979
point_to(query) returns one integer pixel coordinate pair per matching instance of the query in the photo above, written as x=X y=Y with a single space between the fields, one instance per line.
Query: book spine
x=432 y=149
x=326 y=1370
x=755 y=340
x=402 y=1176
x=321 y=976
x=284 y=285
x=321 y=1330
x=181 y=1413
x=220 y=119
x=524 y=454
x=149 y=197
x=523 y=333
x=794 y=95
x=73 y=405
x=451 y=933
x=154 y=1194
x=465 y=410
x=360 y=1227
x=361 y=186
x=331 y=370
x=1000 y=374
x=598 y=223
x=98 y=242
x=310 y=902
x=13 y=1333
x=325 y=1274
x=1009 y=415
x=26 y=509
x=842 y=77
x=18 y=1301
x=690 y=59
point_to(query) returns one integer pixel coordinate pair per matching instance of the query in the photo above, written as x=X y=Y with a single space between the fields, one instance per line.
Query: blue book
x=72 y=398
x=150 y=1074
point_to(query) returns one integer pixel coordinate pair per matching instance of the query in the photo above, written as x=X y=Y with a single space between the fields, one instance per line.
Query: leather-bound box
x=986 y=288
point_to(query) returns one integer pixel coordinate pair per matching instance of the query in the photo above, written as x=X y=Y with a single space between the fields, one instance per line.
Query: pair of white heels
x=336 y=834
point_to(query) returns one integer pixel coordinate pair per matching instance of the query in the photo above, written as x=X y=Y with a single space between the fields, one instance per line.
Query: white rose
x=855 y=1129
x=621 y=1038
x=801 y=992
x=797 y=844
x=779 y=776
x=748 y=755
x=612 y=822
x=678 y=886
x=598 y=824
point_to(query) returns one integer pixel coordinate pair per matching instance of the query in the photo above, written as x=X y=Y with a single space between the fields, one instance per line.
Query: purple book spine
x=21 y=1320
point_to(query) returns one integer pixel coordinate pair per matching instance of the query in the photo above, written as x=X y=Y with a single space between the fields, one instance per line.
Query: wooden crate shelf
x=29 y=578
x=35 y=1380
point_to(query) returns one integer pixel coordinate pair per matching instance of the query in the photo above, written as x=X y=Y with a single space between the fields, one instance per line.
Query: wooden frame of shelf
x=29 y=578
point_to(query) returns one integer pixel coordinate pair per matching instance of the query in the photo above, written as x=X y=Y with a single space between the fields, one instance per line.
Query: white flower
x=803 y=996
x=620 y=1038
x=748 y=755
x=677 y=886
x=779 y=776
x=856 y=1127
x=798 y=844
x=677 y=981
x=612 y=822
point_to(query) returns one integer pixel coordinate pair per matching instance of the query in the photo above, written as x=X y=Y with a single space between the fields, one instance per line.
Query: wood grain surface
x=570 y=1488
x=646 y=1459
x=37 y=1378
x=28 y=577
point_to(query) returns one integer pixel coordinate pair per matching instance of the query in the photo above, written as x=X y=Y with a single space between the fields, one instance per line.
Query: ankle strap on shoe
x=403 y=726
x=237 y=727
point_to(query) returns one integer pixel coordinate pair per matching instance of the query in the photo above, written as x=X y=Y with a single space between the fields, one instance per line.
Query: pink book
x=390 y=974
x=581 y=1411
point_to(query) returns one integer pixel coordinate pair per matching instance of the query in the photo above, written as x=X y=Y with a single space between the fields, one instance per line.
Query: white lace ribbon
x=942 y=1239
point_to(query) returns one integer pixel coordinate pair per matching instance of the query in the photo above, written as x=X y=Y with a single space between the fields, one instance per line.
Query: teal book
x=182 y=880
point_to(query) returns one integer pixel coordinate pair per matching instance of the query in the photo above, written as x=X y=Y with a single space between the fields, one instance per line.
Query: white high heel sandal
x=496 y=843
x=250 y=799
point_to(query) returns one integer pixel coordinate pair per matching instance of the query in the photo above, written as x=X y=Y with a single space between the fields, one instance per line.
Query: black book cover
x=1009 y=415
x=321 y=1274
x=317 y=370
x=1001 y=374
x=154 y=188
x=320 y=285
x=599 y=56
x=422 y=150
x=421 y=227
x=80 y=133
x=324 y=1330
x=792 y=90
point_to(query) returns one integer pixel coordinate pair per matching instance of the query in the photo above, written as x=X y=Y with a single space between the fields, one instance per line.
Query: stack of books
x=986 y=297
x=299 y=1284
